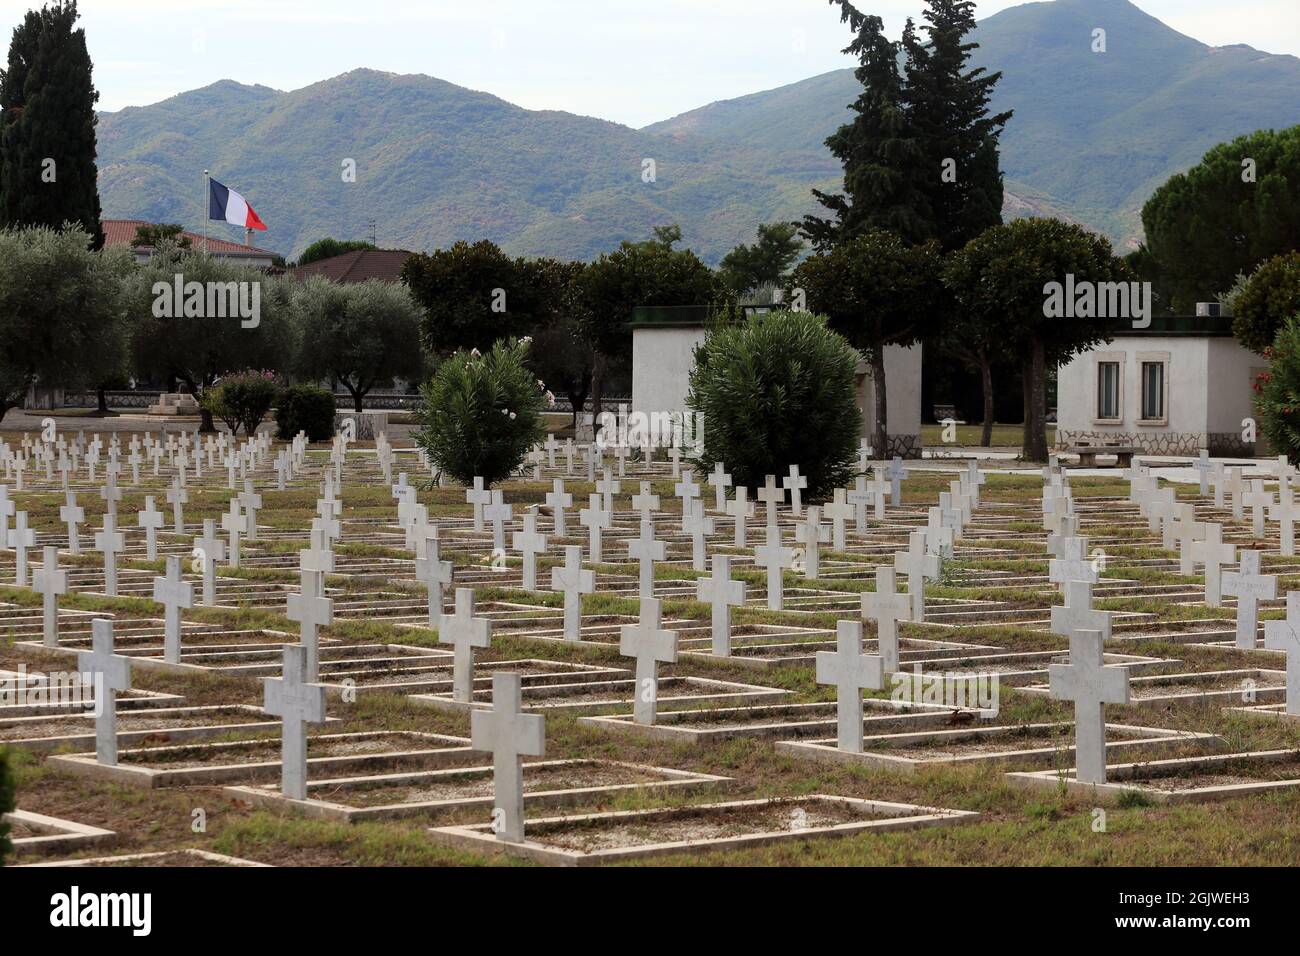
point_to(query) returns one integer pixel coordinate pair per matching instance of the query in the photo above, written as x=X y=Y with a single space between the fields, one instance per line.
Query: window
x=1153 y=391
x=1108 y=391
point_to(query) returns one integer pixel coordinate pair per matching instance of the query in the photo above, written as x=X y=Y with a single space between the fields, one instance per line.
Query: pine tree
x=947 y=110
x=876 y=148
x=47 y=125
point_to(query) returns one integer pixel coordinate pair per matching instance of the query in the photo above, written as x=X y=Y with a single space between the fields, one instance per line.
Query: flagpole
x=207 y=192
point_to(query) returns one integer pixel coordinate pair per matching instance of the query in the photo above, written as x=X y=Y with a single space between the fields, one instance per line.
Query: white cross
x=250 y=501
x=897 y=472
x=50 y=582
x=478 y=496
x=649 y=644
x=773 y=496
x=174 y=594
x=111 y=494
x=720 y=481
x=1187 y=530
x=859 y=498
x=529 y=543
x=675 y=456
x=151 y=519
x=971 y=480
x=839 y=511
x=557 y=500
x=609 y=487
x=436 y=575
x=739 y=509
x=864 y=454
x=510 y=735
x=110 y=543
x=1259 y=501
x=1091 y=684
x=177 y=496
x=812 y=534
x=208 y=551
x=1236 y=487
x=851 y=672
x=310 y=609
x=110 y=674
x=1284 y=513
x=1213 y=554
x=1204 y=466
x=696 y=524
x=234 y=523
x=722 y=593
x=1249 y=587
x=1284 y=636
x=7 y=508
x=464 y=632
x=550 y=445
x=297 y=702
x=646 y=550
x=498 y=513
x=795 y=485
x=1077 y=613
x=941 y=525
x=775 y=558
x=687 y=490
x=573 y=581
x=646 y=502
x=918 y=565
x=594 y=518
x=886 y=606
x=22 y=539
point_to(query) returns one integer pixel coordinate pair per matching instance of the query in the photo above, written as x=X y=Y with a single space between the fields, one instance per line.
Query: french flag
x=226 y=205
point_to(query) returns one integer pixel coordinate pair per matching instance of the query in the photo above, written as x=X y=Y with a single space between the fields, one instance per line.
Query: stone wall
x=1219 y=444
x=904 y=446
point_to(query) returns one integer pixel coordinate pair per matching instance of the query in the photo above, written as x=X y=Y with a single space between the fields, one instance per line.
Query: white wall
x=662 y=359
x=1232 y=373
x=903 y=384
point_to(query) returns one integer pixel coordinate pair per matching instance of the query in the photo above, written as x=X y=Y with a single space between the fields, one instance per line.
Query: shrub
x=775 y=391
x=1277 y=392
x=482 y=413
x=1269 y=297
x=242 y=400
x=8 y=802
x=305 y=408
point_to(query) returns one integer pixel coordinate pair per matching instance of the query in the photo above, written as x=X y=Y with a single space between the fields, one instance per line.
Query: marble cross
x=1284 y=636
x=22 y=538
x=465 y=633
x=1249 y=587
x=918 y=564
x=775 y=558
x=1091 y=684
x=436 y=575
x=557 y=500
x=573 y=581
x=1259 y=502
x=722 y=593
x=50 y=582
x=1213 y=554
x=699 y=526
x=1236 y=488
x=886 y=606
x=739 y=509
x=812 y=534
x=174 y=593
x=1203 y=467
x=720 y=481
x=795 y=484
x=110 y=674
x=1187 y=530
x=646 y=550
x=687 y=491
x=896 y=473
x=509 y=735
x=1284 y=513
x=250 y=501
x=177 y=496
x=859 y=498
x=234 y=523
x=478 y=496
x=1077 y=614
x=773 y=496
x=209 y=550
x=498 y=513
x=530 y=543
x=646 y=502
x=110 y=542
x=151 y=519
x=595 y=518
x=310 y=609
x=850 y=672
x=839 y=511
x=649 y=644
x=608 y=488
x=297 y=702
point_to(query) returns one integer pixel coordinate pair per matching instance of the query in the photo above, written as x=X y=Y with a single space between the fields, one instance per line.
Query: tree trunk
x=880 y=427
x=1035 y=436
x=103 y=402
x=597 y=388
x=358 y=399
x=986 y=379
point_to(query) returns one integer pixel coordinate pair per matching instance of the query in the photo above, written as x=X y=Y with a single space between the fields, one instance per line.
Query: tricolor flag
x=226 y=205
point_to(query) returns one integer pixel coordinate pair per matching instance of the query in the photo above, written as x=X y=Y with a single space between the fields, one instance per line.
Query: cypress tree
x=47 y=125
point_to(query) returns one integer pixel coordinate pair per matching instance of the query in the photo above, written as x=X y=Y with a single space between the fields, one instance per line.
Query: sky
x=630 y=61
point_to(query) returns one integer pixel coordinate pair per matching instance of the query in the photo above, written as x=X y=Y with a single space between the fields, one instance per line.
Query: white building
x=1172 y=389
x=664 y=340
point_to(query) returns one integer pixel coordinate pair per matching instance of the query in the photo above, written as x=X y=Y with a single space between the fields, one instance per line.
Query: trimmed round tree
x=483 y=413
x=1269 y=297
x=1277 y=392
x=774 y=391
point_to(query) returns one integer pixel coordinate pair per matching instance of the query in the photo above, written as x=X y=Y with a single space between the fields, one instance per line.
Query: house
x=122 y=232
x=664 y=339
x=1180 y=385
x=357 y=266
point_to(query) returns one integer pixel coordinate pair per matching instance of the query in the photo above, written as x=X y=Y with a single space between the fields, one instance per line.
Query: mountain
x=1093 y=135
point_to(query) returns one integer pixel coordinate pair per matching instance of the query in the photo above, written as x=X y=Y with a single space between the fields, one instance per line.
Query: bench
x=1088 y=454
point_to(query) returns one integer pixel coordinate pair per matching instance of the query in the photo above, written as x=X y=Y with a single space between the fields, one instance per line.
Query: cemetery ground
x=725 y=725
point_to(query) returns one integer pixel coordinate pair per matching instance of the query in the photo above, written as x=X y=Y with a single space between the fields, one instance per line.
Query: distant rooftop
x=357 y=266
x=122 y=232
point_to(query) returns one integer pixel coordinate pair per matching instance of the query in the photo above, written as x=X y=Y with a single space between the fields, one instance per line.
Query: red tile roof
x=121 y=232
x=357 y=266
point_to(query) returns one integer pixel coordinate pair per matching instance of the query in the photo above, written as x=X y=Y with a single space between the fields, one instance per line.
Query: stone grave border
x=54 y=834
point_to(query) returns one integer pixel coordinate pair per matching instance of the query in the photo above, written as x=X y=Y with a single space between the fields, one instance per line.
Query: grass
x=969 y=436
